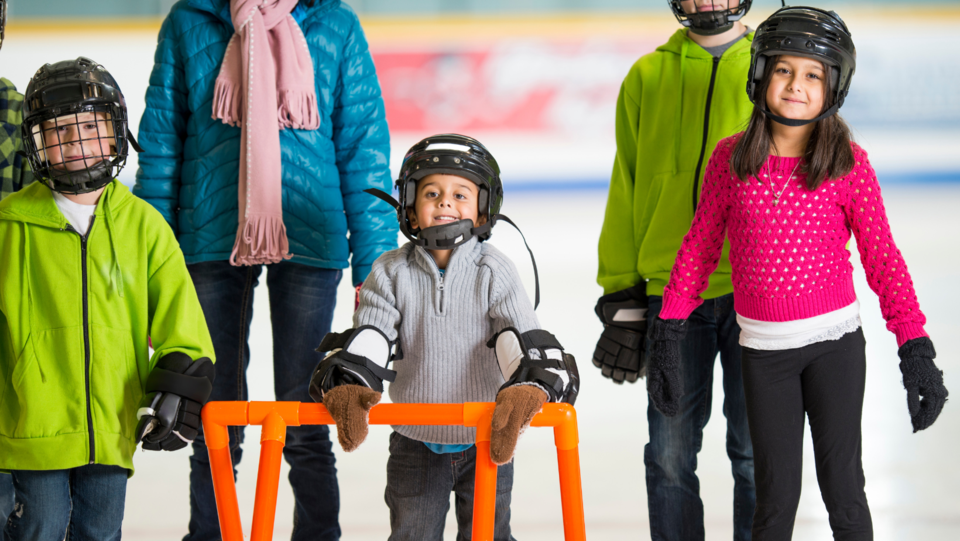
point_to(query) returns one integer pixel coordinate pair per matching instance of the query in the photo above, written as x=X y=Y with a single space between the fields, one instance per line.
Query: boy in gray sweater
x=468 y=333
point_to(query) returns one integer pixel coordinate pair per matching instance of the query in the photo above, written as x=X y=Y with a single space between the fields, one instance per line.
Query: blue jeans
x=302 y=299
x=419 y=483
x=673 y=489
x=78 y=504
x=6 y=497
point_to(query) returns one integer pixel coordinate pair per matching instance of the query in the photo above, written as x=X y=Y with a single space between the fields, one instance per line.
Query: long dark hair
x=828 y=155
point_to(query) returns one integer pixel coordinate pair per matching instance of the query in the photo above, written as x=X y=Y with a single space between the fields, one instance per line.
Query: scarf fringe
x=262 y=241
x=227 y=102
x=298 y=110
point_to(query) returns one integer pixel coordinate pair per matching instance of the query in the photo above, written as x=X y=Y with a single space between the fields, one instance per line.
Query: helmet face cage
x=449 y=154
x=807 y=32
x=710 y=23
x=75 y=126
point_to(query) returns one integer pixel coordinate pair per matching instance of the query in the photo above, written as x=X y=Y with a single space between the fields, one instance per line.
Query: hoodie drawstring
x=27 y=275
x=113 y=247
x=679 y=110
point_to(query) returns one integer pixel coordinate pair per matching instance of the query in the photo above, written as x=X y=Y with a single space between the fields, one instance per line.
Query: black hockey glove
x=356 y=357
x=664 y=381
x=536 y=358
x=922 y=378
x=619 y=354
x=169 y=415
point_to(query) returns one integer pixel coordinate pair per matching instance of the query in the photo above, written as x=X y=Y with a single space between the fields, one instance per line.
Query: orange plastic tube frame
x=275 y=417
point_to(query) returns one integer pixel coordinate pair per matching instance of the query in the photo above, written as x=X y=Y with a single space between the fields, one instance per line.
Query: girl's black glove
x=922 y=378
x=664 y=382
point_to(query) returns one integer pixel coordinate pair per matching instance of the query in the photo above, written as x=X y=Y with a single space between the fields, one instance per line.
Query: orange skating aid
x=275 y=417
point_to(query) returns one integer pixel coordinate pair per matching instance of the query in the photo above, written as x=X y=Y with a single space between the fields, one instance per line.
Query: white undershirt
x=78 y=215
x=778 y=335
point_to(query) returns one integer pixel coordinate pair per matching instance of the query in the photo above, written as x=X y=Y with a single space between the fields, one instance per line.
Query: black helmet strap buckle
x=449 y=236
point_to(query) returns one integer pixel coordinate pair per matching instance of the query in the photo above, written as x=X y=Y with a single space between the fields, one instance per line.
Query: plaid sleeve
x=11 y=162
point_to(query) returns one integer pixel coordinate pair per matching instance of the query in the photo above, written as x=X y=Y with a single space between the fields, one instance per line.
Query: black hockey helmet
x=809 y=32
x=451 y=154
x=448 y=154
x=79 y=99
x=709 y=23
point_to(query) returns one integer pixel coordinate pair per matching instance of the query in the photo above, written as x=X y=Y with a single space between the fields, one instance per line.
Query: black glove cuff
x=177 y=373
x=916 y=349
x=668 y=329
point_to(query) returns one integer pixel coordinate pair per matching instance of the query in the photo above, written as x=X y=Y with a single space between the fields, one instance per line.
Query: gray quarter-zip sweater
x=443 y=323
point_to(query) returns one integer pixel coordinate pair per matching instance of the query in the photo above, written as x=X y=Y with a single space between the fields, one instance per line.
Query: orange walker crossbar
x=275 y=417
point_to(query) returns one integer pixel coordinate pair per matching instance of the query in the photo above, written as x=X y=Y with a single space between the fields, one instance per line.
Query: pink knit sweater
x=790 y=260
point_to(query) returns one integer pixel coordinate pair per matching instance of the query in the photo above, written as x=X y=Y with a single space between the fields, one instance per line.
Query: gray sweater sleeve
x=509 y=304
x=378 y=303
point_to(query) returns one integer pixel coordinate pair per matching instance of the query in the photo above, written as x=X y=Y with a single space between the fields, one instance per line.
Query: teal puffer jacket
x=189 y=169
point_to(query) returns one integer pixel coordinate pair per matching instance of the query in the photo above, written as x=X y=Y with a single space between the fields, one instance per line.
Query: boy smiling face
x=445 y=199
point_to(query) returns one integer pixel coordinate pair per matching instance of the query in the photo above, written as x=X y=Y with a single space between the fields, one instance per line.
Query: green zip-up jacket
x=75 y=314
x=675 y=105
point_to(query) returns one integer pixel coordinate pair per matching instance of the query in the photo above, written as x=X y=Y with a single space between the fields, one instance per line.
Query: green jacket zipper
x=86 y=335
x=706 y=131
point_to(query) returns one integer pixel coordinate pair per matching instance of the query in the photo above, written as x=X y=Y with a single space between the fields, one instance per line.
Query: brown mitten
x=349 y=405
x=515 y=408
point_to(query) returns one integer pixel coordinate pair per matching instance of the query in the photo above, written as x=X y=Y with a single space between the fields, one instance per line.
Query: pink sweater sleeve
x=882 y=261
x=702 y=246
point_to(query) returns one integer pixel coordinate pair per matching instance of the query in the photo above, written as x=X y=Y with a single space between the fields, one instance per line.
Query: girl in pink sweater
x=788 y=193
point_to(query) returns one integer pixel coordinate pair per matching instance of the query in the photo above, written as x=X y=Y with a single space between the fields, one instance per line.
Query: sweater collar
x=462 y=255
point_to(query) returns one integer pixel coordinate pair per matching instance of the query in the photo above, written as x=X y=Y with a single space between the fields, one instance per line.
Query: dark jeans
x=419 y=483
x=824 y=380
x=302 y=299
x=6 y=497
x=673 y=489
x=79 y=504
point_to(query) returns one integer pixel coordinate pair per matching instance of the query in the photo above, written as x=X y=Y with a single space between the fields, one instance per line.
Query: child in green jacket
x=675 y=105
x=87 y=273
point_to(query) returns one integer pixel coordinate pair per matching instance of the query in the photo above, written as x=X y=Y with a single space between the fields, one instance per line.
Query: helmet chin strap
x=795 y=122
x=449 y=236
x=83 y=181
x=709 y=23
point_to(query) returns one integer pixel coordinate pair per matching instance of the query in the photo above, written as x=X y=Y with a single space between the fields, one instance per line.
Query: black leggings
x=824 y=380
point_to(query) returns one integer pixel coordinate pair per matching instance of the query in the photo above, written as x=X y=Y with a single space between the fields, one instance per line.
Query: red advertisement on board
x=514 y=85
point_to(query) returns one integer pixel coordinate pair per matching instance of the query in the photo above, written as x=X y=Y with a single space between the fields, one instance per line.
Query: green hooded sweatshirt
x=75 y=314
x=675 y=105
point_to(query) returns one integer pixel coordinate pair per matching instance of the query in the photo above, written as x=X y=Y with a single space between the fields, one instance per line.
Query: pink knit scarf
x=265 y=84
